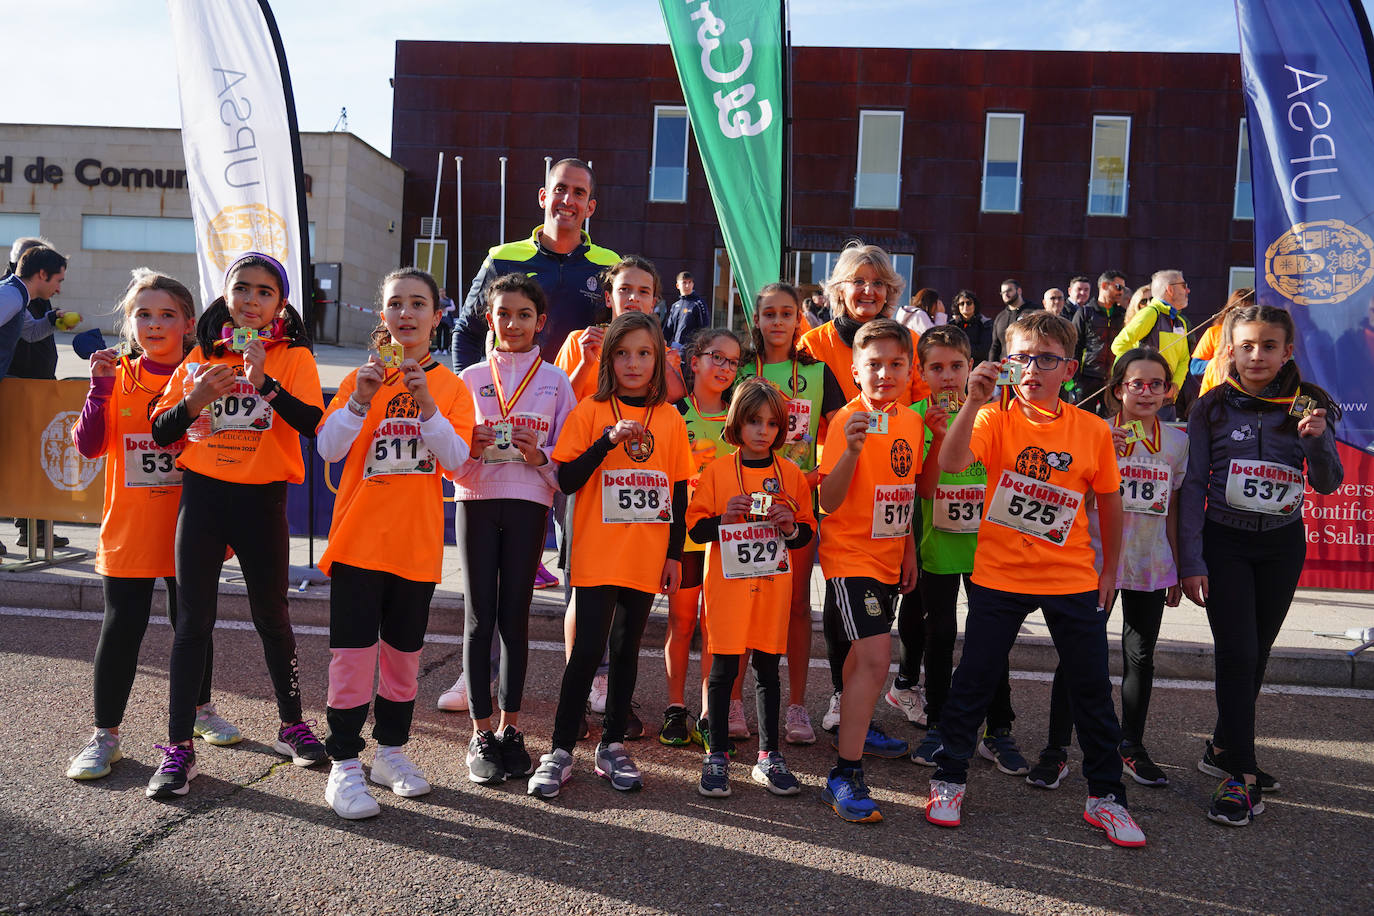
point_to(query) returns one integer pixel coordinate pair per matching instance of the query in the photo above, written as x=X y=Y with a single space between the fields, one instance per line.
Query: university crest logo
x=1321 y=262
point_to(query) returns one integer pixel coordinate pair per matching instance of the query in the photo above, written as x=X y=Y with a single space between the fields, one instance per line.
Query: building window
x=668 y=173
x=878 y=184
x=1240 y=278
x=139 y=233
x=16 y=226
x=1002 y=163
x=435 y=262
x=1245 y=202
x=1110 y=157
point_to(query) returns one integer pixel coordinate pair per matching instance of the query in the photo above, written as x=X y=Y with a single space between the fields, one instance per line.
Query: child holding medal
x=1042 y=457
x=813 y=395
x=628 y=460
x=504 y=491
x=1242 y=540
x=243 y=413
x=714 y=356
x=951 y=515
x=1153 y=458
x=394 y=429
x=138 y=521
x=754 y=510
x=868 y=550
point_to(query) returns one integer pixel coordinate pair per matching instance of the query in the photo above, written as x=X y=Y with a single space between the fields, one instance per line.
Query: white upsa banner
x=236 y=132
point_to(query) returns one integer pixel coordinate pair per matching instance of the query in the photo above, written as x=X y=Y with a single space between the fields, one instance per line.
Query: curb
x=1181 y=660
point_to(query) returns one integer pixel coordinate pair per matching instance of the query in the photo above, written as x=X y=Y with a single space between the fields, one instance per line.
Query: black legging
x=767 y=696
x=911 y=639
x=1251 y=580
x=603 y=612
x=500 y=542
x=1141 y=616
x=250 y=518
x=128 y=605
x=939 y=599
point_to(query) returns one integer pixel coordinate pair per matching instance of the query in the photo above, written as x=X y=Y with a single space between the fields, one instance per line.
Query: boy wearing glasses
x=1042 y=459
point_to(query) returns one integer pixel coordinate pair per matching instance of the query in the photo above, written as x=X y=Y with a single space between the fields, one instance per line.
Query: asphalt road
x=254 y=834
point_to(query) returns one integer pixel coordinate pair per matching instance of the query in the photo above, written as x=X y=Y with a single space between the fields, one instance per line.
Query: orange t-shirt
x=570 y=357
x=861 y=538
x=625 y=553
x=1073 y=452
x=748 y=613
x=1207 y=348
x=826 y=345
x=265 y=450
x=390 y=516
x=142 y=483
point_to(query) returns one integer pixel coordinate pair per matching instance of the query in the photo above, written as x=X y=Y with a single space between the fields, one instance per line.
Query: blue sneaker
x=878 y=744
x=924 y=755
x=847 y=794
x=999 y=747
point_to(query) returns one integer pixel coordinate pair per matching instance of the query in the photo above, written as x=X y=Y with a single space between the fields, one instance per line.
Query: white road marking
x=540 y=645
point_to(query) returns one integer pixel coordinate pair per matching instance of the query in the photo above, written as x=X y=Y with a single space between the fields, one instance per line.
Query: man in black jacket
x=1097 y=324
x=1015 y=308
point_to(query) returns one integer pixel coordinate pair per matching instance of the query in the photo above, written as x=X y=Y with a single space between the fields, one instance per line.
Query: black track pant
x=939 y=602
x=767 y=696
x=250 y=518
x=128 y=605
x=604 y=612
x=500 y=542
x=377 y=623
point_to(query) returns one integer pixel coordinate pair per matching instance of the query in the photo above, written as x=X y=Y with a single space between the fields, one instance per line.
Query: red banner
x=1340 y=528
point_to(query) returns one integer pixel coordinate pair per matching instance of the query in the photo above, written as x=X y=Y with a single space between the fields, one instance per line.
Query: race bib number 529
x=751 y=551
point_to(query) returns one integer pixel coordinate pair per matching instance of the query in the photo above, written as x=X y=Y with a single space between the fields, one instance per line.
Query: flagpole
x=501 y=229
x=786 y=215
x=458 y=223
x=434 y=214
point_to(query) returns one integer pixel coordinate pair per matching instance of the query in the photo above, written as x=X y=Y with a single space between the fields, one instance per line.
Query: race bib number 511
x=1034 y=508
x=398 y=448
x=635 y=497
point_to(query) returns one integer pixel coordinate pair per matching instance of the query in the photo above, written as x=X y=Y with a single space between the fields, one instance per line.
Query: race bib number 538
x=635 y=496
x=1034 y=508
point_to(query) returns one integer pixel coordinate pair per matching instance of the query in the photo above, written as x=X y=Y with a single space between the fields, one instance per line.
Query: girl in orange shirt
x=142 y=490
x=626 y=456
x=753 y=509
x=394 y=427
x=243 y=398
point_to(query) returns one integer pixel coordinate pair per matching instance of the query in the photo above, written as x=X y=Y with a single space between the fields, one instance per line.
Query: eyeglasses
x=1119 y=287
x=1154 y=385
x=1182 y=283
x=720 y=360
x=856 y=284
x=1045 y=362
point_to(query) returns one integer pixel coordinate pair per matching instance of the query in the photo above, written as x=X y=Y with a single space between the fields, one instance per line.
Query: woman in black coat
x=968 y=319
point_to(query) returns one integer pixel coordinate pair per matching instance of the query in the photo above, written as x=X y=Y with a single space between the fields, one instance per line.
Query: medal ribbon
x=777 y=473
x=1283 y=402
x=615 y=412
x=715 y=418
x=758 y=370
x=428 y=358
x=871 y=409
x=1152 y=445
x=134 y=374
x=504 y=405
x=1009 y=394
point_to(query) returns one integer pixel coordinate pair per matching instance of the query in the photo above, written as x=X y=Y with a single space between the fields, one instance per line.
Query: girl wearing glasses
x=713 y=356
x=1153 y=458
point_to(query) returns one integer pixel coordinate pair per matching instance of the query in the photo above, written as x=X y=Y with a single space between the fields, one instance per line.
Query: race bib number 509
x=241 y=408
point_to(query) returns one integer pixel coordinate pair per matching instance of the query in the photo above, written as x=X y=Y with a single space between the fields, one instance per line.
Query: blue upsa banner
x=1310 y=101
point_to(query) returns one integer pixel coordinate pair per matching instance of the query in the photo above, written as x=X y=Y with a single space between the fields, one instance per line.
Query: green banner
x=729 y=60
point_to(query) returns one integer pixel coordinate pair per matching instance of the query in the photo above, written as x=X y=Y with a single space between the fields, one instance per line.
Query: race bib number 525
x=1034 y=508
x=635 y=496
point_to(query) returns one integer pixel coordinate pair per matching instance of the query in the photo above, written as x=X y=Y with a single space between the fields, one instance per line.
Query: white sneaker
x=598 y=697
x=93 y=761
x=911 y=702
x=945 y=803
x=1109 y=814
x=831 y=721
x=739 y=728
x=799 y=730
x=346 y=791
x=455 y=699
x=555 y=769
x=393 y=769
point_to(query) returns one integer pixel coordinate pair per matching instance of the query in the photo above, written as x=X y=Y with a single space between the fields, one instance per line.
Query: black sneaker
x=634 y=728
x=485 y=765
x=58 y=540
x=300 y=744
x=1000 y=747
x=1214 y=763
x=1136 y=761
x=1049 y=770
x=677 y=729
x=174 y=774
x=515 y=760
x=1235 y=804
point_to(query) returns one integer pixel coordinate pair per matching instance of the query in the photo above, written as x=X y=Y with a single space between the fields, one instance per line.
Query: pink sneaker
x=544 y=579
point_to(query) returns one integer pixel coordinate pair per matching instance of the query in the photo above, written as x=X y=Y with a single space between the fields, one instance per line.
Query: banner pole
x=434 y=214
x=786 y=215
x=458 y=224
x=501 y=229
x=548 y=167
x=587 y=224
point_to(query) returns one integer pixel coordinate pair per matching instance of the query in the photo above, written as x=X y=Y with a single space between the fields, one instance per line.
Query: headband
x=276 y=265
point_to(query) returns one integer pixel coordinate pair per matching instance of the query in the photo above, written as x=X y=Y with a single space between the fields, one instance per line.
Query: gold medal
x=391 y=355
x=759 y=504
x=1303 y=405
x=242 y=338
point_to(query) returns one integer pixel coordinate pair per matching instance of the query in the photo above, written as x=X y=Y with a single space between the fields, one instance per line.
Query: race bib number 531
x=635 y=496
x=1034 y=508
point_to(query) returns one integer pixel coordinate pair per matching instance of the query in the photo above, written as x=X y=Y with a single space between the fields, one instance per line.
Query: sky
x=118 y=68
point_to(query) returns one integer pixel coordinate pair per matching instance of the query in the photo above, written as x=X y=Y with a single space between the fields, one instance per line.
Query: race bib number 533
x=147 y=464
x=1034 y=508
x=635 y=496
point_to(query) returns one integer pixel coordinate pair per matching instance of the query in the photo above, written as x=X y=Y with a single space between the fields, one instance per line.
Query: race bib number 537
x=1264 y=486
x=635 y=496
x=1034 y=508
